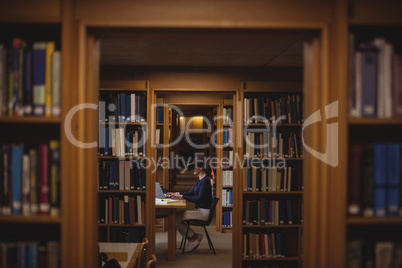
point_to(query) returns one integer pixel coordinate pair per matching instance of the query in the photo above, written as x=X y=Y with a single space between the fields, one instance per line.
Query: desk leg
x=171 y=234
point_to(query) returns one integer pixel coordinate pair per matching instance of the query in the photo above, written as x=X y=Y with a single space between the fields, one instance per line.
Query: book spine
x=54 y=147
x=16 y=177
x=44 y=206
x=39 y=58
x=28 y=83
x=26 y=187
x=56 y=83
x=48 y=78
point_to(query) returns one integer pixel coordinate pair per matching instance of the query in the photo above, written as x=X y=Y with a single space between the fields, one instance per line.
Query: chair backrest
x=142 y=256
x=152 y=261
x=212 y=210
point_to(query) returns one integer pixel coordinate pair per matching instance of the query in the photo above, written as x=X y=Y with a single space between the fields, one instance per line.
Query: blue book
x=114 y=175
x=278 y=240
x=369 y=81
x=126 y=210
x=32 y=255
x=392 y=180
x=380 y=171
x=128 y=108
x=160 y=115
x=39 y=63
x=17 y=152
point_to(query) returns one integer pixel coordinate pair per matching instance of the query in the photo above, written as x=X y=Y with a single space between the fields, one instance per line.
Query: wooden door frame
x=331 y=233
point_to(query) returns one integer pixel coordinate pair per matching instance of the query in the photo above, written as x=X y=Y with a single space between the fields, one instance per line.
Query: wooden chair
x=142 y=256
x=152 y=262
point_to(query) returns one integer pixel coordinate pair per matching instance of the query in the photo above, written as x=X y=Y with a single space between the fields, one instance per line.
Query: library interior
x=114 y=113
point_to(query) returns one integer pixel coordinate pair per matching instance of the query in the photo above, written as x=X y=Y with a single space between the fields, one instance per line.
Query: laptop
x=160 y=196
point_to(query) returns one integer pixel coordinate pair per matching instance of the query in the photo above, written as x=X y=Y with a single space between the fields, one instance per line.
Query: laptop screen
x=159 y=191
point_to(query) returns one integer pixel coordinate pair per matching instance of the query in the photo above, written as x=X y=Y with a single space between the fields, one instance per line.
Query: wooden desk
x=171 y=207
x=124 y=253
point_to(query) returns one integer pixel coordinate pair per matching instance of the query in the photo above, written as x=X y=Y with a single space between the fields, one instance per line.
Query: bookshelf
x=374 y=166
x=122 y=158
x=30 y=205
x=271 y=197
x=225 y=207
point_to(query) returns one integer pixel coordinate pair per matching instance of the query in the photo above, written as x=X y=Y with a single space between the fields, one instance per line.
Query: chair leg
x=209 y=240
x=181 y=244
x=184 y=246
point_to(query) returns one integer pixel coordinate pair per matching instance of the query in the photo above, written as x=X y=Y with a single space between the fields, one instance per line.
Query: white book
x=127 y=176
x=56 y=83
x=158 y=136
x=263 y=180
x=26 y=185
x=139 y=207
x=266 y=255
x=114 y=149
x=223 y=197
x=132 y=112
x=121 y=142
x=285 y=180
x=383 y=254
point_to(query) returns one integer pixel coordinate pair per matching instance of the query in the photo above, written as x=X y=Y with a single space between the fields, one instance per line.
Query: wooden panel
x=272 y=86
x=124 y=84
x=374 y=12
x=30 y=11
x=208 y=12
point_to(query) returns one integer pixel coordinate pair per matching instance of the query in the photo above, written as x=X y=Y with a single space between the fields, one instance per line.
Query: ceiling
x=203 y=48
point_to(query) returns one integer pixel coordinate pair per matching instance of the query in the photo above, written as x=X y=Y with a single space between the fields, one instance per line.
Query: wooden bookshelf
x=292 y=232
x=30 y=119
x=367 y=23
x=107 y=93
x=36 y=219
x=37 y=138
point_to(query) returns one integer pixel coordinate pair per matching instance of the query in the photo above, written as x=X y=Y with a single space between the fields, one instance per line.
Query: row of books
x=122 y=142
x=30 y=179
x=375 y=180
x=159 y=115
x=374 y=254
x=122 y=107
x=227 y=219
x=30 y=254
x=264 y=110
x=121 y=175
x=129 y=209
x=227 y=158
x=122 y=234
x=227 y=178
x=227 y=137
x=227 y=197
x=376 y=80
x=227 y=116
x=263 y=245
x=271 y=144
x=30 y=79
x=270 y=179
x=267 y=212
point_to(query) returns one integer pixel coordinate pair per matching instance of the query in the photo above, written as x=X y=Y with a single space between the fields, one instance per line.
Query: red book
x=132 y=209
x=110 y=210
x=355 y=174
x=44 y=206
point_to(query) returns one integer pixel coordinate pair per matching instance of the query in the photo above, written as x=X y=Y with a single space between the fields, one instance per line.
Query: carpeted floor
x=201 y=257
